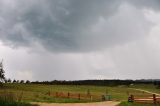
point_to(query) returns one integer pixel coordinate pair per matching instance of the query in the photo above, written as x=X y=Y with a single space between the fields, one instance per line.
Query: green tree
x=14 y=81
x=2 y=76
x=27 y=82
x=22 y=81
x=9 y=80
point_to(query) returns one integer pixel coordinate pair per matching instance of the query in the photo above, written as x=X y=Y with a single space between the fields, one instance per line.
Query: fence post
x=90 y=97
x=79 y=96
x=88 y=92
x=56 y=94
x=68 y=94
x=132 y=98
x=154 y=99
x=49 y=93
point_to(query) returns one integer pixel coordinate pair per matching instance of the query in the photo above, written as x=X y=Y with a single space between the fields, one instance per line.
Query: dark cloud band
x=69 y=25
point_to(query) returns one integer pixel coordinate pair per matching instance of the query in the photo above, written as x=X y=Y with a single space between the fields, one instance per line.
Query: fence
x=76 y=96
x=144 y=98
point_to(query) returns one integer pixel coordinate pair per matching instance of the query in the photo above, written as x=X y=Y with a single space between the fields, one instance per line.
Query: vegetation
x=38 y=92
x=9 y=99
x=22 y=92
x=136 y=104
x=13 y=103
x=2 y=77
x=28 y=92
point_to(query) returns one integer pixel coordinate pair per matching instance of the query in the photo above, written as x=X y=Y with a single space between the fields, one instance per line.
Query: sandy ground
x=108 y=103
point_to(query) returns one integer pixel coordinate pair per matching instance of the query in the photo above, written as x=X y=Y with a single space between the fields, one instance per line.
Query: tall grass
x=13 y=103
x=10 y=99
x=7 y=96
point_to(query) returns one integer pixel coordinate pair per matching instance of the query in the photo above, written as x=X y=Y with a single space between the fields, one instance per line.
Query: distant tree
x=14 y=81
x=27 y=82
x=6 y=81
x=2 y=76
x=17 y=81
x=9 y=80
x=22 y=81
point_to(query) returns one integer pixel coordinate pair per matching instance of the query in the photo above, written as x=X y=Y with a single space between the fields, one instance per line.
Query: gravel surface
x=108 y=103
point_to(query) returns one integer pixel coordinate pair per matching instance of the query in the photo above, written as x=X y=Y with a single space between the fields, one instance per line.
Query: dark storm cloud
x=152 y=4
x=72 y=25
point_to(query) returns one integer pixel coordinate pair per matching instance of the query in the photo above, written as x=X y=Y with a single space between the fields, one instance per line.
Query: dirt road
x=108 y=103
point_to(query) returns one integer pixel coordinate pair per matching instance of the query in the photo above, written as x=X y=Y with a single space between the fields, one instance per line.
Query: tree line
x=114 y=82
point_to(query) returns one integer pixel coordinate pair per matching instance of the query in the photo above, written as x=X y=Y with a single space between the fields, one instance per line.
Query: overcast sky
x=80 y=39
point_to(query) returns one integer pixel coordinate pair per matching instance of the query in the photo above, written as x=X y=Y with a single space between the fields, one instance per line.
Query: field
x=34 y=92
x=38 y=93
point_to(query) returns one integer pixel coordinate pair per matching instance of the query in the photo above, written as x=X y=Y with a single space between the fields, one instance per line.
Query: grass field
x=37 y=93
x=13 y=103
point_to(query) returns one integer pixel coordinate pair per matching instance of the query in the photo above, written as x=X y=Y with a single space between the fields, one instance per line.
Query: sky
x=80 y=39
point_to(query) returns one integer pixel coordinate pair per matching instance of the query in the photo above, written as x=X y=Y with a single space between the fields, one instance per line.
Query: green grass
x=136 y=104
x=13 y=103
x=37 y=92
x=61 y=100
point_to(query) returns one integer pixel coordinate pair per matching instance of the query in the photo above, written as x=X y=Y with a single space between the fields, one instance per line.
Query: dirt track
x=108 y=103
x=146 y=91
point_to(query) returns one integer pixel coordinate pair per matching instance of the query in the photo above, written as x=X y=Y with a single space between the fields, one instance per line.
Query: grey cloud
x=137 y=60
x=69 y=25
x=151 y=4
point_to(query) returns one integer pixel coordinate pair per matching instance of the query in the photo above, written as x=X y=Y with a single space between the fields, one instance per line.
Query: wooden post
x=56 y=94
x=88 y=92
x=132 y=98
x=154 y=99
x=90 y=97
x=103 y=98
x=49 y=93
x=79 y=96
x=68 y=94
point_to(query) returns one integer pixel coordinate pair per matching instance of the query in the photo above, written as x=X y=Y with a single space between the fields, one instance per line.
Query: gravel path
x=146 y=91
x=108 y=103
